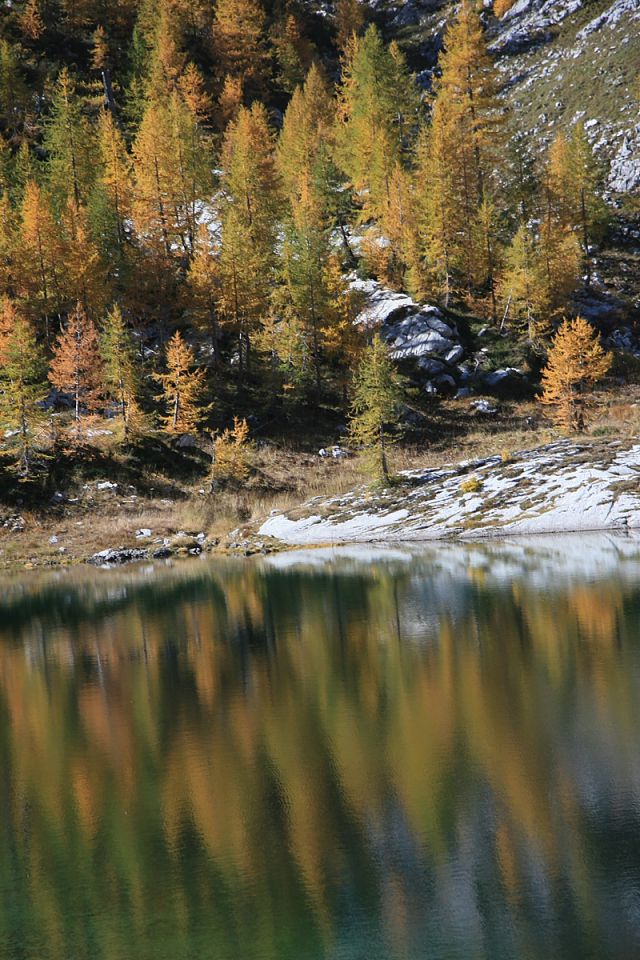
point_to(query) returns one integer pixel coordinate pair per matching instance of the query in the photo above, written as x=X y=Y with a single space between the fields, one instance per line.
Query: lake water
x=364 y=755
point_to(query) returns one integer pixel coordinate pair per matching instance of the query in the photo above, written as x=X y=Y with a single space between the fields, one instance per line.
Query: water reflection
x=380 y=755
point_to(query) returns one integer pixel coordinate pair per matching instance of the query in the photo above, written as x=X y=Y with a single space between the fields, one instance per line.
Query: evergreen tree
x=576 y=361
x=183 y=388
x=76 y=366
x=118 y=353
x=22 y=384
x=376 y=395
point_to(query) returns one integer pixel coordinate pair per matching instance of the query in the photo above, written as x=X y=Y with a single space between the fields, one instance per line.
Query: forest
x=190 y=192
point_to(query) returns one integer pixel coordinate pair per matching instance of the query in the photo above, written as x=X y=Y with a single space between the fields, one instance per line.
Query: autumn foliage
x=576 y=361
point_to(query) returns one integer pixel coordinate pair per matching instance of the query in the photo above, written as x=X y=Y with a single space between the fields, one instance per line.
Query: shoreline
x=567 y=487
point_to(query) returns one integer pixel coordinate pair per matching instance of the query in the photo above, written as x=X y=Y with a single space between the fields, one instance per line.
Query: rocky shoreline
x=562 y=487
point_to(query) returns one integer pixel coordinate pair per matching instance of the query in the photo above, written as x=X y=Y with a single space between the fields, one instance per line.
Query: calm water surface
x=372 y=755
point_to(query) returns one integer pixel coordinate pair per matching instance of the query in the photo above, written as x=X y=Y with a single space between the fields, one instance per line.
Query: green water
x=365 y=756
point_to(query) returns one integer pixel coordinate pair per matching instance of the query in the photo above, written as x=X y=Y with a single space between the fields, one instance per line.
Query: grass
x=167 y=491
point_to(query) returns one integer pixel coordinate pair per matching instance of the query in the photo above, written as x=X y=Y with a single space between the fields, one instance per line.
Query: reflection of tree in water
x=267 y=761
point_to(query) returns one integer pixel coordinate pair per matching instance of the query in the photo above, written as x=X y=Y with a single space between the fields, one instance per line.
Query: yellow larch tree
x=40 y=255
x=250 y=206
x=459 y=162
x=183 y=387
x=239 y=42
x=576 y=361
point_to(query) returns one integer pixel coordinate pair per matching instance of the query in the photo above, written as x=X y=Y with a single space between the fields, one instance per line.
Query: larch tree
x=190 y=171
x=521 y=287
x=249 y=214
x=8 y=246
x=31 y=22
x=239 y=42
x=576 y=361
x=306 y=140
x=40 y=254
x=121 y=380
x=70 y=145
x=461 y=158
x=232 y=455
x=23 y=384
x=349 y=21
x=377 y=115
x=572 y=180
x=115 y=174
x=293 y=51
x=82 y=272
x=302 y=296
x=76 y=366
x=376 y=395
x=153 y=187
x=343 y=339
x=203 y=288
x=183 y=388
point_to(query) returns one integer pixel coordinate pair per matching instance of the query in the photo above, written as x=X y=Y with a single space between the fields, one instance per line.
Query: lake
x=331 y=755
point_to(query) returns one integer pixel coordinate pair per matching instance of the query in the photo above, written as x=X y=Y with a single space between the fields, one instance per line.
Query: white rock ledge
x=562 y=487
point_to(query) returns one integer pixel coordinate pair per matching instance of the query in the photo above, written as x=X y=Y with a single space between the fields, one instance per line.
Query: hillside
x=209 y=214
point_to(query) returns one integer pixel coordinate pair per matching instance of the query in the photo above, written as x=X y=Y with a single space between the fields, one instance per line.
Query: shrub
x=471 y=485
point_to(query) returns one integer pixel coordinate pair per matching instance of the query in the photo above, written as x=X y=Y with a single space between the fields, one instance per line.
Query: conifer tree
x=459 y=165
x=118 y=352
x=342 y=337
x=166 y=60
x=387 y=246
x=115 y=172
x=232 y=455
x=22 y=384
x=349 y=20
x=239 y=41
x=81 y=272
x=306 y=140
x=76 y=366
x=251 y=202
x=194 y=95
x=13 y=90
x=8 y=246
x=153 y=164
x=377 y=113
x=203 y=287
x=69 y=144
x=376 y=394
x=183 y=387
x=293 y=52
x=572 y=194
x=40 y=254
x=229 y=101
x=576 y=361
x=520 y=286
x=31 y=23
